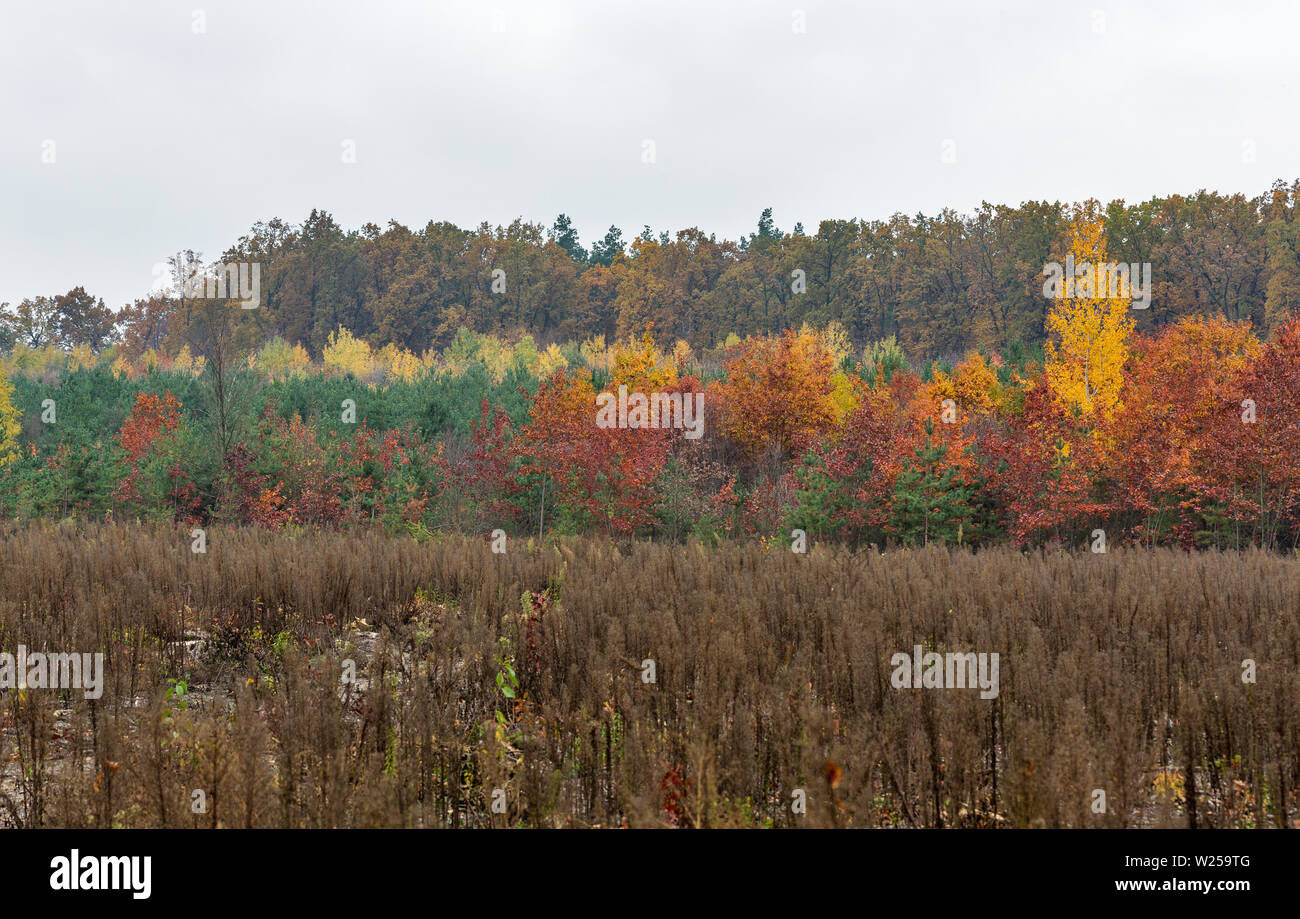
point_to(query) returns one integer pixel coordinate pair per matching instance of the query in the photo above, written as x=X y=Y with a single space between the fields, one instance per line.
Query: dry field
x=330 y=680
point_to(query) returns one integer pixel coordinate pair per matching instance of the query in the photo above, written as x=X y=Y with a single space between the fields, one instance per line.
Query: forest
x=941 y=285
x=1102 y=424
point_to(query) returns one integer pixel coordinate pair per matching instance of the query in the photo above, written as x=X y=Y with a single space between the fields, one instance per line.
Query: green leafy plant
x=507 y=679
x=178 y=693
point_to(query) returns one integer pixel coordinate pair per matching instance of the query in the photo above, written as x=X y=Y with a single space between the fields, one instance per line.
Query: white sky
x=166 y=139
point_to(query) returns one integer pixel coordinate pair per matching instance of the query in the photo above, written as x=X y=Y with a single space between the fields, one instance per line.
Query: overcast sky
x=169 y=131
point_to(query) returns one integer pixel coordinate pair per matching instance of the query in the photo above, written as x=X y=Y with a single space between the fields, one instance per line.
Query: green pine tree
x=929 y=502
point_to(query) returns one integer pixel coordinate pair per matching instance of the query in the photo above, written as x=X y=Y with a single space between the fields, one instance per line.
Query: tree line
x=941 y=284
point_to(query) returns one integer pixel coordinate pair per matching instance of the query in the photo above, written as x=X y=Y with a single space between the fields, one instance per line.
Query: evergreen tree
x=566 y=237
x=825 y=505
x=930 y=501
x=603 y=252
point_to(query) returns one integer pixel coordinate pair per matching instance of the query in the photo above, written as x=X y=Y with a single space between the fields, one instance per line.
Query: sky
x=130 y=130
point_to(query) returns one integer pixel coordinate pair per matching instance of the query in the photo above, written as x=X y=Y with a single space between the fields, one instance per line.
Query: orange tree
x=778 y=393
x=154 y=482
x=1162 y=449
x=1248 y=452
x=590 y=477
x=1043 y=467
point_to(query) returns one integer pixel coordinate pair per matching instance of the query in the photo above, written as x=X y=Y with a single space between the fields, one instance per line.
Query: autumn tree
x=1283 y=242
x=32 y=323
x=81 y=319
x=1176 y=385
x=479 y=487
x=10 y=424
x=148 y=325
x=593 y=477
x=842 y=487
x=155 y=482
x=778 y=393
x=1247 y=454
x=1088 y=329
x=67 y=320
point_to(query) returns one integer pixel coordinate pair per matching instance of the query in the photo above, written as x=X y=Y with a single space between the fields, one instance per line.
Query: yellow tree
x=1087 y=327
x=345 y=353
x=973 y=385
x=9 y=423
x=642 y=365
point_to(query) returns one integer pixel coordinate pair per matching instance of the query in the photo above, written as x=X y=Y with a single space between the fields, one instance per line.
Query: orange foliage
x=779 y=391
x=152 y=417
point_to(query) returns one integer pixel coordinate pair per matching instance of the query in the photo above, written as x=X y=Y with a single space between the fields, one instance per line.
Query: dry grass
x=1119 y=672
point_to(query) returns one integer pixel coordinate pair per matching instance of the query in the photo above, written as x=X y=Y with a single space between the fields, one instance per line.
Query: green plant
x=178 y=693
x=507 y=680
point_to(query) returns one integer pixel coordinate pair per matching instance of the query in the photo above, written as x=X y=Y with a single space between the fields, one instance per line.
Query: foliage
x=1086 y=349
x=965 y=452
